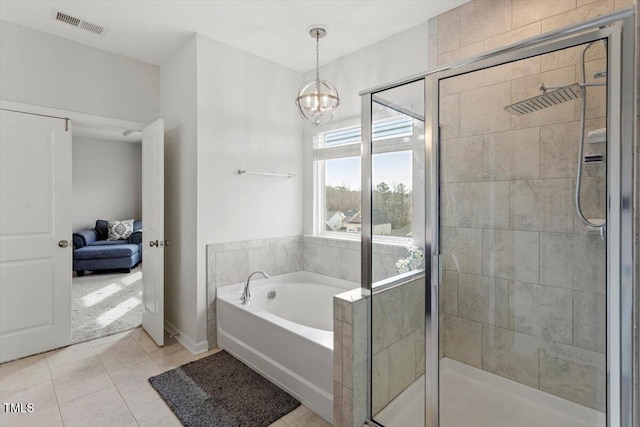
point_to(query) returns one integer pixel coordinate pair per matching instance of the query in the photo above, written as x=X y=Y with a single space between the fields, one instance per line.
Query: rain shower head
x=549 y=98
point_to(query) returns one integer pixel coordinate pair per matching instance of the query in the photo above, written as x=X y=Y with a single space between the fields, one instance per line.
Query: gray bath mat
x=221 y=391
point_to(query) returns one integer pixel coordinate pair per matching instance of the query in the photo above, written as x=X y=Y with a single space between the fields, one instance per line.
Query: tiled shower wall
x=524 y=282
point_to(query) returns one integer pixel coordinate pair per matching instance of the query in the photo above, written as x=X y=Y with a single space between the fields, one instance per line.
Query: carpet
x=221 y=391
x=105 y=303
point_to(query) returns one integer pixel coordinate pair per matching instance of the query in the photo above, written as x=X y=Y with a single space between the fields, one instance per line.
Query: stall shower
x=506 y=319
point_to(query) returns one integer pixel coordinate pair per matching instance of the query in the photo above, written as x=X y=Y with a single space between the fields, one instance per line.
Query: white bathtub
x=288 y=339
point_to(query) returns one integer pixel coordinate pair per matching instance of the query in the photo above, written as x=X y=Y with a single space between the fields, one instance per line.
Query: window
x=338 y=181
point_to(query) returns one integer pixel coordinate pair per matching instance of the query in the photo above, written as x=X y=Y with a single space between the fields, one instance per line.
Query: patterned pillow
x=120 y=230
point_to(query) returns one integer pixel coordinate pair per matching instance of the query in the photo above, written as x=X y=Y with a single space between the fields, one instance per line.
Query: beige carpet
x=105 y=304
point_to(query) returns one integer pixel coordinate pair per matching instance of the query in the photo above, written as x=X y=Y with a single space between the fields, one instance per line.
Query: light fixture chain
x=317 y=55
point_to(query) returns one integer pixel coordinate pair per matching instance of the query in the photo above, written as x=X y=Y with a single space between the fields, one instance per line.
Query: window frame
x=321 y=154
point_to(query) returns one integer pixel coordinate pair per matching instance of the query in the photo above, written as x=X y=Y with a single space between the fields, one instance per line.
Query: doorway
x=107 y=272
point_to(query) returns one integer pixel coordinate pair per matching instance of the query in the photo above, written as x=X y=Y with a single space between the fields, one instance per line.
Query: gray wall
x=40 y=69
x=107 y=181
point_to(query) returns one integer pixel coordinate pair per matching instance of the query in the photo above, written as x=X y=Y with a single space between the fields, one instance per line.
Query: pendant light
x=317 y=100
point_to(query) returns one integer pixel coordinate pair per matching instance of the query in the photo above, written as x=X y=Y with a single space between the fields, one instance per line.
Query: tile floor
x=103 y=383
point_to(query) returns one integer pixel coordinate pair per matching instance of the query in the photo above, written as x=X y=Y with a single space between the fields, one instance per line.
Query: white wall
x=178 y=109
x=396 y=57
x=247 y=119
x=107 y=181
x=45 y=70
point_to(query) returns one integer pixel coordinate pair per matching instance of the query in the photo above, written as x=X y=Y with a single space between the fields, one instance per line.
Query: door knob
x=63 y=243
x=153 y=243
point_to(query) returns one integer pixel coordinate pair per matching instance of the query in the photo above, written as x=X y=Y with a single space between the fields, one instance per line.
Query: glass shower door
x=397 y=218
x=522 y=214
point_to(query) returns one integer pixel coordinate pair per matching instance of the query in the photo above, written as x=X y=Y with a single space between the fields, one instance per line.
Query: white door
x=153 y=242
x=35 y=234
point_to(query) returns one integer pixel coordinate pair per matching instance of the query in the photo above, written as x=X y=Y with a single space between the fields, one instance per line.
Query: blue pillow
x=102 y=228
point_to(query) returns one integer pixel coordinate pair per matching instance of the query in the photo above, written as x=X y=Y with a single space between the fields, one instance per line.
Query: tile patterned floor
x=103 y=383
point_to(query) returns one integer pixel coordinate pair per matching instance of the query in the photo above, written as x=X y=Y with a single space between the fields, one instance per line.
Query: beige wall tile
x=463 y=340
x=359 y=399
x=380 y=380
x=388 y=319
x=402 y=365
x=414 y=301
x=482 y=110
x=512 y=155
x=450 y=291
x=460 y=54
x=347 y=407
x=450 y=116
x=512 y=36
x=510 y=354
x=511 y=255
x=580 y=14
x=449 y=31
x=484 y=18
x=573 y=261
x=542 y=311
x=338 y=420
x=476 y=204
x=570 y=56
x=621 y=4
x=581 y=3
x=574 y=374
x=542 y=205
x=461 y=249
x=527 y=11
x=590 y=321
x=461 y=83
x=559 y=150
x=461 y=159
x=337 y=350
x=231 y=267
x=483 y=299
x=512 y=70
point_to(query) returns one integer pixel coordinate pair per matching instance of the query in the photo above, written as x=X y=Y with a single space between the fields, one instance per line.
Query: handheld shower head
x=549 y=98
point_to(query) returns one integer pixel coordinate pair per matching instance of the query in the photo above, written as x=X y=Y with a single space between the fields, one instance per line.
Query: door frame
x=74 y=117
x=620 y=391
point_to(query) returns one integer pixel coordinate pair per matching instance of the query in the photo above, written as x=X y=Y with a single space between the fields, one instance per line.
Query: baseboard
x=188 y=343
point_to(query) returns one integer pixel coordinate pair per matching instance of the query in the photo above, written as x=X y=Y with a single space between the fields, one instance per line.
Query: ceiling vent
x=80 y=23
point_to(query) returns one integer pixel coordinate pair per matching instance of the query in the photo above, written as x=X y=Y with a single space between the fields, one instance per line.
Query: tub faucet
x=246 y=294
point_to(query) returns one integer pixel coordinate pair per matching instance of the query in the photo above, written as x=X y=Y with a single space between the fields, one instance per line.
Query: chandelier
x=317 y=100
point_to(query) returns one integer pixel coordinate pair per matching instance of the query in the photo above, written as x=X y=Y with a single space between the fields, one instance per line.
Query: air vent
x=80 y=23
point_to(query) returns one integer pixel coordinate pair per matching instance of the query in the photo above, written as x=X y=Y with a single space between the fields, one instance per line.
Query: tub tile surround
x=350 y=359
x=524 y=283
x=231 y=262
